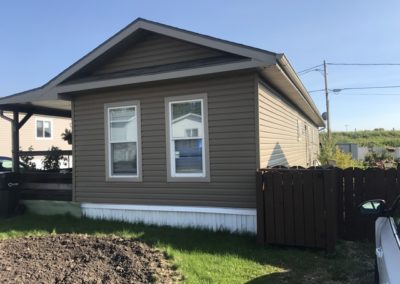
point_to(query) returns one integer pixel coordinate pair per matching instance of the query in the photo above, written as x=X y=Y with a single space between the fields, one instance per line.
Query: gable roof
x=274 y=67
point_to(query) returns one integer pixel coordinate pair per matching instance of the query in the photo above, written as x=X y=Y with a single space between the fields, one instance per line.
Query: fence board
x=45 y=186
x=298 y=208
x=330 y=205
x=312 y=207
x=269 y=208
x=319 y=209
x=348 y=177
x=309 y=215
x=340 y=201
x=287 y=177
x=260 y=204
x=390 y=184
x=358 y=222
x=294 y=206
x=279 y=212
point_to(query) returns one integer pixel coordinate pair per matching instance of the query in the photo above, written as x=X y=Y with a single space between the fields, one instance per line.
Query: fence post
x=260 y=208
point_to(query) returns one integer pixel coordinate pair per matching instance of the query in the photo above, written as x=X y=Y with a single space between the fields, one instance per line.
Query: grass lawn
x=207 y=257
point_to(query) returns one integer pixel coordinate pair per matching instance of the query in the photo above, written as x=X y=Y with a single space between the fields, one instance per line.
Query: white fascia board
x=157 y=77
x=191 y=209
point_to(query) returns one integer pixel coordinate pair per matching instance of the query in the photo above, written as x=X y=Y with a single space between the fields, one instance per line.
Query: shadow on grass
x=294 y=263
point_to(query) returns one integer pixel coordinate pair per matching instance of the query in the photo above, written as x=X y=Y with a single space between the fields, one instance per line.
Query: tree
x=27 y=159
x=52 y=160
x=67 y=136
x=330 y=153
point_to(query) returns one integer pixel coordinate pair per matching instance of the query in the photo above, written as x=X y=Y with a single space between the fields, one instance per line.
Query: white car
x=387 y=228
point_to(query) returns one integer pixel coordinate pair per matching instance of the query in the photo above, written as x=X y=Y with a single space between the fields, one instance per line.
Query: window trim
x=51 y=128
x=107 y=144
x=205 y=177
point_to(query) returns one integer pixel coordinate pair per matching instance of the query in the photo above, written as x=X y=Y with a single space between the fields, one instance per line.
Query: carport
x=36 y=101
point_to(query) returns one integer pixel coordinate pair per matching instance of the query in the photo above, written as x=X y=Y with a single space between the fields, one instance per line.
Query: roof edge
x=284 y=63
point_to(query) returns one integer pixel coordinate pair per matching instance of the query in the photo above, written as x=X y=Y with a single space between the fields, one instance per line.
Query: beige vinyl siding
x=155 y=49
x=28 y=135
x=282 y=135
x=231 y=116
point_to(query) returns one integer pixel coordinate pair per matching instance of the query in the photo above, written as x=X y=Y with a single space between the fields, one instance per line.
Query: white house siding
x=286 y=136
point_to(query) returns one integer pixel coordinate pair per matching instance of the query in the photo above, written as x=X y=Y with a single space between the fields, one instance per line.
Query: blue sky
x=41 y=38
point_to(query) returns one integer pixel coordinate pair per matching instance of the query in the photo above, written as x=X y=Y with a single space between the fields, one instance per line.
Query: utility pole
x=328 y=121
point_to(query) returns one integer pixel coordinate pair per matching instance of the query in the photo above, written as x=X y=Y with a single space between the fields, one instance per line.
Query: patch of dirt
x=72 y=258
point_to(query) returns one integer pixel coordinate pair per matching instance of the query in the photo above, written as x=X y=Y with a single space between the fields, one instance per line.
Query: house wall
x=28 y=135
x=283 y=137
x=232 y=145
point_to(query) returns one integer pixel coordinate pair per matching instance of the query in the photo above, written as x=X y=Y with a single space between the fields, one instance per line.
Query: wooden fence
x=355 y=186
x=45 y=186
x=312 y=207
x=294 y=207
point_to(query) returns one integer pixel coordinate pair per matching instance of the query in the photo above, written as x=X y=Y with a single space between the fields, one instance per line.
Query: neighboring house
x=40 y=132
x=170 y=126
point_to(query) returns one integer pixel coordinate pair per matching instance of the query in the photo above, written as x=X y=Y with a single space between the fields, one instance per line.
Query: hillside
x=369 y=137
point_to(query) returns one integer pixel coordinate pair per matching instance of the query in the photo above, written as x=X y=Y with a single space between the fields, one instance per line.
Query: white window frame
x=51 y=128
x=108 y=161
x=172 y=175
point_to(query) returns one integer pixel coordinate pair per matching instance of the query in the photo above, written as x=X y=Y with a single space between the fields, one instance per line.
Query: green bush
x=52 y=160
x=330 y=153
x=27 y=159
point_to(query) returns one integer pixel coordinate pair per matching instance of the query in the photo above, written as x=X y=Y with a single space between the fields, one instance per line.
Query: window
x=44 y=129
x=123 y=141
x=187 y=138
x=194 y=132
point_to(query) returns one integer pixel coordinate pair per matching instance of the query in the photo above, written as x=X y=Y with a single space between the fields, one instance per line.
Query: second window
x=187 y=138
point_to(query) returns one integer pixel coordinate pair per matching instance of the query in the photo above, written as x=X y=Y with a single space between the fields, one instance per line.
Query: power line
x=367 y=94
x=314 y=91
x=336 y=90
x=302 y=72
x=366 y=88
x=365 y=64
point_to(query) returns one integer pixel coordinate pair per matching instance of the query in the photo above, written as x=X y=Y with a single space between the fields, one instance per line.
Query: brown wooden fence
x=45 y=186
x=357 y=185
x=294 y=207
x=312 y=207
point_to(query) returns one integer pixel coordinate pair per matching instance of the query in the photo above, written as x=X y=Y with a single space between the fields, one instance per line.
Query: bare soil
x=71 y=258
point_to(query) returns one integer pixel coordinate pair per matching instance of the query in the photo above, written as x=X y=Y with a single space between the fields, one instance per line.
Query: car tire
x=376 y=275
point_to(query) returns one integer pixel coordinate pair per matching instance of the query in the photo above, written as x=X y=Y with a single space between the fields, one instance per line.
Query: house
x=170 y=126
x=39 y=132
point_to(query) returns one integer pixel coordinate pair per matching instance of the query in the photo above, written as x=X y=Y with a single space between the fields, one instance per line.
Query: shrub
x=331 y=153
x=52 y=160
x=27 y=159
x=67 y=136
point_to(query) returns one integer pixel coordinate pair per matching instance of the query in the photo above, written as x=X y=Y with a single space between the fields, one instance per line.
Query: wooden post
x=328 y=118
x=15 y=141
x=260 y=208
